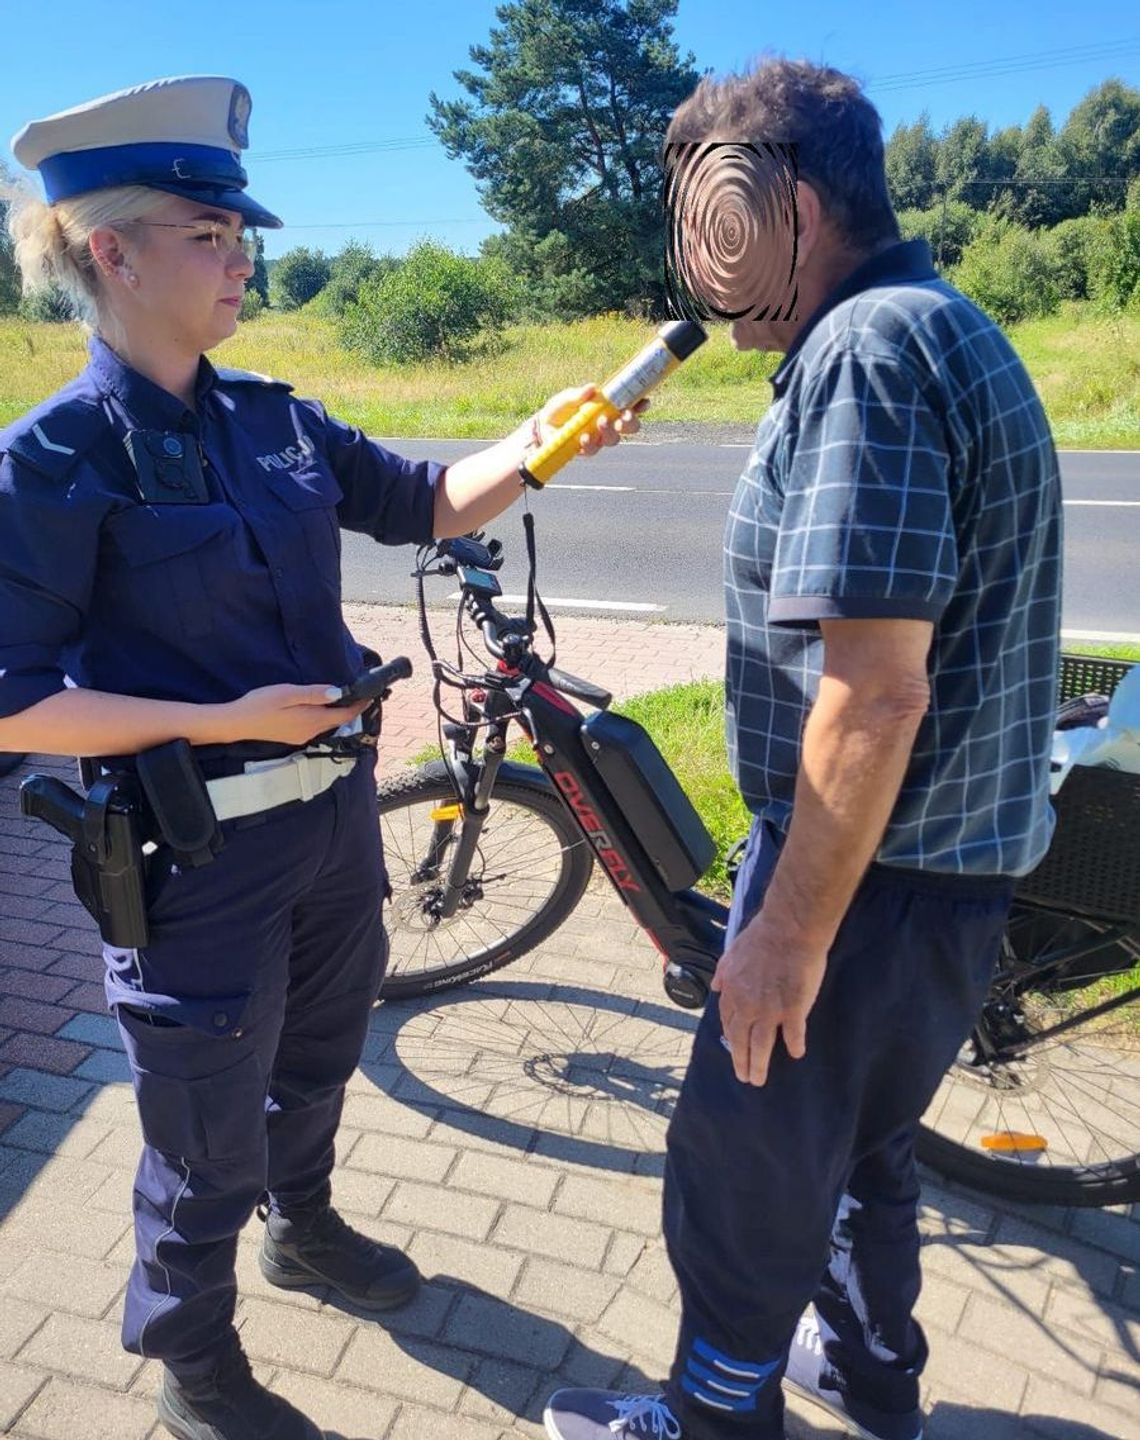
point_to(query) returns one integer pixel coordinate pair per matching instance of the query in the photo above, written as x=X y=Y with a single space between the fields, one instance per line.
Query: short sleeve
x=866 y=528
x=49 y=543
x=385 y=496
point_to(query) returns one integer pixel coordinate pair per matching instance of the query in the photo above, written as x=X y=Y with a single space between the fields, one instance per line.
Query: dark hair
x=837 y=132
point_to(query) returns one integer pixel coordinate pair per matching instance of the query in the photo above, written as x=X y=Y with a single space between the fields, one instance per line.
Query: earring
x=132 y=278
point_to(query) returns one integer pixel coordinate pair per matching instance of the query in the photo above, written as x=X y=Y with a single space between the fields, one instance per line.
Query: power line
x=1048 y=180
x=351 y=147
x=898 y=80
x=371 y=224
x=1068 y=52
x=1007 y=65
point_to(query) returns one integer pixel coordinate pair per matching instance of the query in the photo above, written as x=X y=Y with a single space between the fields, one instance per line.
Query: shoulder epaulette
x=248 y=377
x=53 y=437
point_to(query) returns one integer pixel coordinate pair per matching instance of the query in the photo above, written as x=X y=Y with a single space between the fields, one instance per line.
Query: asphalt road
x=637 y=530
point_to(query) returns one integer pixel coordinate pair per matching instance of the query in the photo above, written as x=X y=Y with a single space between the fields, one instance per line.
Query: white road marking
x=640 y=606
x=1107 y=637
x=1119 y=504
x=642 y=489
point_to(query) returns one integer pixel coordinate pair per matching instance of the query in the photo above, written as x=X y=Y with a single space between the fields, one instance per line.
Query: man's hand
x=767 y=981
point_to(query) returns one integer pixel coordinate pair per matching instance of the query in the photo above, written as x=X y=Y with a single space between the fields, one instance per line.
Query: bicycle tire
x=1113 y=1180
x=1096 y=1187
x=527 y=790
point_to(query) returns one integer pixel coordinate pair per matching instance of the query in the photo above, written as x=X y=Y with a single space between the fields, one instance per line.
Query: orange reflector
x=1012 y=1142
x=447 y=812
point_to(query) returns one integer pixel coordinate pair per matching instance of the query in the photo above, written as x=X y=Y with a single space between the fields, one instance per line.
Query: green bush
x=1072 y=243
x=434 y=306
x=46 y=305
x=1009 y=271
x=947 y=233
x=297 y=276
x=252 y=305
x=350 y=270
x=1114 y=262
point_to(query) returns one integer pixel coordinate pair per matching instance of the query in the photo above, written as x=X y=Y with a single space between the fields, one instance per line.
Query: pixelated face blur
x=191 y=264
x=733 y=231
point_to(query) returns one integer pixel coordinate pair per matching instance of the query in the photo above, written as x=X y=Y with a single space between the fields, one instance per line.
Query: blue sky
x=340 y=72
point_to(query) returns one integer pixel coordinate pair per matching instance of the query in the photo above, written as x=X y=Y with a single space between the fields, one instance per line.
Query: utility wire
x=373 y=224
x=897 y=80
x=349 y=147
x=1007 y=65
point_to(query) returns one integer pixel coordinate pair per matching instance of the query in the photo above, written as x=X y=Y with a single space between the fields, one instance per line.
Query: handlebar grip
x=375 y=683
x=579 y=689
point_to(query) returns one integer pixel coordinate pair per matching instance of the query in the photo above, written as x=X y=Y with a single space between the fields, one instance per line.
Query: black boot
x=229 y=1404
x=319 y=1248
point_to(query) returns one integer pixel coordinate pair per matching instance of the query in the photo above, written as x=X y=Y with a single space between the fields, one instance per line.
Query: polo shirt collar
x=148 y=403
x=909 y=260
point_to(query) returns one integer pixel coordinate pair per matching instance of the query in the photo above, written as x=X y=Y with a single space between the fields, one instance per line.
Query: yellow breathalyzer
x=672 y=344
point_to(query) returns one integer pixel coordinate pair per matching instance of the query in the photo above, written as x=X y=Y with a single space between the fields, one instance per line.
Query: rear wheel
x=529 y=871
x=1043 y=1102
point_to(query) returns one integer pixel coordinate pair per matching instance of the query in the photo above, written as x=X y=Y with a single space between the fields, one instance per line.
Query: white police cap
x=183 y=136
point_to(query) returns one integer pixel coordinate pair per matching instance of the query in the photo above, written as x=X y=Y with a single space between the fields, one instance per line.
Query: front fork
x=478 y=782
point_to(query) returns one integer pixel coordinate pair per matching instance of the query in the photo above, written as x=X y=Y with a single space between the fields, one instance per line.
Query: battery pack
x=659 y=812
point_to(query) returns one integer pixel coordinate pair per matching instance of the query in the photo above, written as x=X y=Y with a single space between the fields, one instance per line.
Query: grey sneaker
x=606 y=1414
x=804 y=1377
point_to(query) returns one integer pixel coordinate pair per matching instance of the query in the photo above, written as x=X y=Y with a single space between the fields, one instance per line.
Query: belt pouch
x=176 y=792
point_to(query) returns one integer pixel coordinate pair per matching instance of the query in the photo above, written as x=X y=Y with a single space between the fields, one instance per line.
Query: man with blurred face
x=892 y=585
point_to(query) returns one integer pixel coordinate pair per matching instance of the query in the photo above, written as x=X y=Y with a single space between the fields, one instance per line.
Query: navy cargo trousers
x=243 y=1019
x=805 y=1190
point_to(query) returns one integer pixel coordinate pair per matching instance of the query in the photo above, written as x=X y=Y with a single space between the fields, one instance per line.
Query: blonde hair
x=52 y=242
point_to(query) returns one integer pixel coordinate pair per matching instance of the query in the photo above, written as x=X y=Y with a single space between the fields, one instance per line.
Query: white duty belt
x=269 y=783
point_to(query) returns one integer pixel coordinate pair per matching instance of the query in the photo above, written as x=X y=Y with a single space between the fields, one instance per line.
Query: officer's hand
x=767 y=983
x=287 y=714
x=559 y=408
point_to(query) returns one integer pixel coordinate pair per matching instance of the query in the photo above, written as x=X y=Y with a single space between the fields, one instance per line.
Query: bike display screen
x=479 y=581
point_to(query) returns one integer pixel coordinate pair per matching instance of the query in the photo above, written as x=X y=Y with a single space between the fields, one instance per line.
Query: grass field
x=1087 y=369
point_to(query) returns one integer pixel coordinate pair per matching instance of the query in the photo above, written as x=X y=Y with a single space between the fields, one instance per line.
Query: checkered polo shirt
x=906 y=469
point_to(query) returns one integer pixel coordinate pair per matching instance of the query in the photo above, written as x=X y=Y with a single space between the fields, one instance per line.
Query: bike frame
x=686 y=927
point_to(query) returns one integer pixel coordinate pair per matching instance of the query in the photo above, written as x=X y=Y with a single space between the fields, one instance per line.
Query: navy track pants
x=805 y=1189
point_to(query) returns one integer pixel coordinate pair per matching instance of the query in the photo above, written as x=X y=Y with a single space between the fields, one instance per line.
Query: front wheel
x=530 y=869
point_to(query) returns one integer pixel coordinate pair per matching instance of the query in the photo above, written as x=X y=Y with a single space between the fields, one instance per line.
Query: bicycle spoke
x=516 y=870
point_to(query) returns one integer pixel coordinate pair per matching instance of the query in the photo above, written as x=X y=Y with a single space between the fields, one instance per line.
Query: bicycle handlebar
x=497 y=629
x=507 y=638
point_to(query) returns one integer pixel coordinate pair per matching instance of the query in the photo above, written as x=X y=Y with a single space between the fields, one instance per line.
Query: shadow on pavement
x=594 y=1074
x=512 y=1357
x=947 y=1421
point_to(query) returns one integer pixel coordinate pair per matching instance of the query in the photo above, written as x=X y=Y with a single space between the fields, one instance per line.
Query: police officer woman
x=169 y=567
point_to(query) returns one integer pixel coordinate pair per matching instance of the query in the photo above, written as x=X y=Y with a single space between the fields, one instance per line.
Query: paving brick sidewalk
x=493 y=1133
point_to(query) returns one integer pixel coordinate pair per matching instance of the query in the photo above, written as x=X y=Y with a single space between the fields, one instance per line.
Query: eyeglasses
x=220 y=236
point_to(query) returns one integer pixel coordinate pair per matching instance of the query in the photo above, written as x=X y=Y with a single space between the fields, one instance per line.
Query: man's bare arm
x=856 y=746
x=857 y=742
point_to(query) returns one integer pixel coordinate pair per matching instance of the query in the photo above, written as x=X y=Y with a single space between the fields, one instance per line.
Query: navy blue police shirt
x=187 y=601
